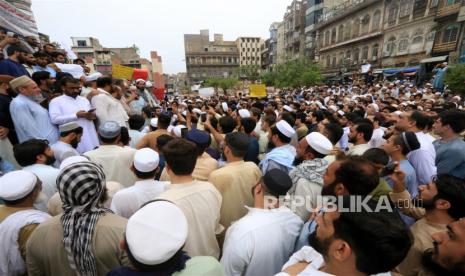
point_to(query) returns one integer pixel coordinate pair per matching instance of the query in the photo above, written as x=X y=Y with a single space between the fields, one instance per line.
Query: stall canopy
x=408 y=70
x=434 y=59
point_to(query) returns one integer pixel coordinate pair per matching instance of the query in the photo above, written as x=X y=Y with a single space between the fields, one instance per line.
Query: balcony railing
x=445 y=47
x=448 y=10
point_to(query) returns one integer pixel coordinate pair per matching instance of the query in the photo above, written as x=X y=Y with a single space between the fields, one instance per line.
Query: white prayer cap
x=146 y=160
x=184 y=113
x=170 y=128
x=398 y=112
x=285 y=128
x=148 y=84
x=198 y=101
x=375 y=107
x=340 y=112
x=132 y=87
x=154 y=122
x=244 y=113
x=197 y=111
x=93 y=77
x=140 y=80
x=288 y=108
x=17 y=184
x=156 y=232
x=225 y=107
x=177 y=130
x=73 y=159
x=319 y=143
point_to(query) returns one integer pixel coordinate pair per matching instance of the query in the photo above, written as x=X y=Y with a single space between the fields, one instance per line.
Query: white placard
x=206 y=92
x=366 y=68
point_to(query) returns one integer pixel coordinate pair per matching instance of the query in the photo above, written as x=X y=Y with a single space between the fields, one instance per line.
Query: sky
x=155 y=25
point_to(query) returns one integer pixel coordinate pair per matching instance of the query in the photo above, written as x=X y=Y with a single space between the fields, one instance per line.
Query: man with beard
x=70 y=136
x=307 y=177
x=107 y=103
x=45 y=83
x=42 y=61
x=353 y=176
x=13 y=65
x=30 y=61
x=8 y=136
x=353 y=242
x=144 y=94
x=448 y=254
x=282 y=154
x=70 y=107
x=37 y=157
x=18 y=219
x=360 y=135
x=442 y=203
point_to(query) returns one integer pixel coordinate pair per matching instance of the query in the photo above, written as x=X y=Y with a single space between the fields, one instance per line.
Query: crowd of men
x=99 y=177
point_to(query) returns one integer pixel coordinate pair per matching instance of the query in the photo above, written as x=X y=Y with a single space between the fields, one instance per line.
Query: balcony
x=448 y=10
x=444 y=47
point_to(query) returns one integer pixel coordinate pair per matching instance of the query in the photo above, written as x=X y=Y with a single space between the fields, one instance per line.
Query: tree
x=249 y=72
x=293 y=74
x=455 y=78
x=213 y=82
x=223 y=83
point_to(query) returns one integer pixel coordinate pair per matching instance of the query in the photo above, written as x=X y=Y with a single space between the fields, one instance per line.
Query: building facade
x=294 y=30
x=265 y=56
x=157 y=70
x=249 y=50
x=206 y=59
x=280 y=59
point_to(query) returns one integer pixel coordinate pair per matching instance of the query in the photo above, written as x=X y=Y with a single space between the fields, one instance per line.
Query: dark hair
x=366 y=129
x=238 y=142
x=57 y=53
x=289 y=117
x=454 y=118
x=319 y=115
x=41 y=55
x=270 y=118
x=248 y=124
x=283 y=138
x=358 y=175
x=26 y=153
x=408 y=141
x=64 y=81
x=181 y=156
x=104 y=81
x=335 y=132
x=227 y=124
x=14 y=48
x=351 y=116
x=452 y=189
x=39 y=76
x=162 y=140
x=301 y=115
x=376 y=156
x=380 y=240
x=421 y=120
x=164 y=121
x=124 y=136
x=136 y=121
x=78 y=60
x=256 y=112
x=108 y=140
x=77 y=131
x=145 y=175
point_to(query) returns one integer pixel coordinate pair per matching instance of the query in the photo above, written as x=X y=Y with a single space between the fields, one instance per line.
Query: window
x=341 y=33
x=347 y=31
x=356 y=28
x=333 y=36
x=449 y=2
x=403 y=45
x=334 y=61
x=406 y=9
x=356 y=55
x=431 y=35
x=328 y=61
x=206 y=49
x=450 y=34
x=374 y=51
x=365 y=53
x=434 y=3
x=419 y=8
x=348 y=55
x=417 y=39
x=376 y=20
x=82 y=43
x=327 y=34
x=391 y=46
x=393 y=11
x=365 y=24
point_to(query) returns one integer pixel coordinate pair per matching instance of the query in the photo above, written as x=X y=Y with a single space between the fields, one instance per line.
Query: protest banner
x=257 y=90
x=206 y=92
x=121 y=72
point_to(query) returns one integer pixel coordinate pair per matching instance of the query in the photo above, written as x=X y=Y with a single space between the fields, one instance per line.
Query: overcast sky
x=155 y=24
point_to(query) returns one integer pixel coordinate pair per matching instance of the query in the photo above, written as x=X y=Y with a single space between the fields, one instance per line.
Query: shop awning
x=434 y=59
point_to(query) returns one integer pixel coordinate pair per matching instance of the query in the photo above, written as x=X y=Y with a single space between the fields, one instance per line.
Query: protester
x=150 y=139
x=127 y=201
x=360 y=136
x=136 y=123
x=262 y=241
x=13 y=65
x=70 y=136
x=282 y=154
x=185 y=192
x=107 y=103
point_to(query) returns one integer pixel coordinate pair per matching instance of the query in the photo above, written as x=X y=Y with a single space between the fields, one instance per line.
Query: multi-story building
x=249 y=50
x=205 y=58
x=273 y=44
x=265 y=52
x=157 y=70
x=294 y=30
x=449 y=36
x=409 y=30
x=280 y=53
x=128 y=56
x=350 y=35
x=313 y=15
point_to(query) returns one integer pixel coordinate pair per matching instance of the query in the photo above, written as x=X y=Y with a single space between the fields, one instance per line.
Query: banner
x=206 y=92
x=76 y=70
x=366 y=68
x=121 y=72
x=257 y=90
x=17 y=16
x=140 y=74
x=159 y=93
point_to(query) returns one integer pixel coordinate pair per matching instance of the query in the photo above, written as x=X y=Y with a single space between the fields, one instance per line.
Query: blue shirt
x=12 y=68
x=450 y=157
x=31 y=120
x=37 y=68
x=252 y=151
x=410 y=177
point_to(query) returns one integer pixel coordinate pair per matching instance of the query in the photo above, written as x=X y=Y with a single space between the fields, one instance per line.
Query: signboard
x=17 y=16
x=121 y=72
x=257 y=90
x=366 y=68
x=206 y=92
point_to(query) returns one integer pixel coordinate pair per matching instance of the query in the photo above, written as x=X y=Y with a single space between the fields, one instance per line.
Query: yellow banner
x=257 y=90
x=121 y=72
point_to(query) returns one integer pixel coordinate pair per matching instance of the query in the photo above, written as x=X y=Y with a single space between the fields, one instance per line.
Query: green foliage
x=293 y=74
x=223 y=83
x=249 y=72
x=455 y=78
